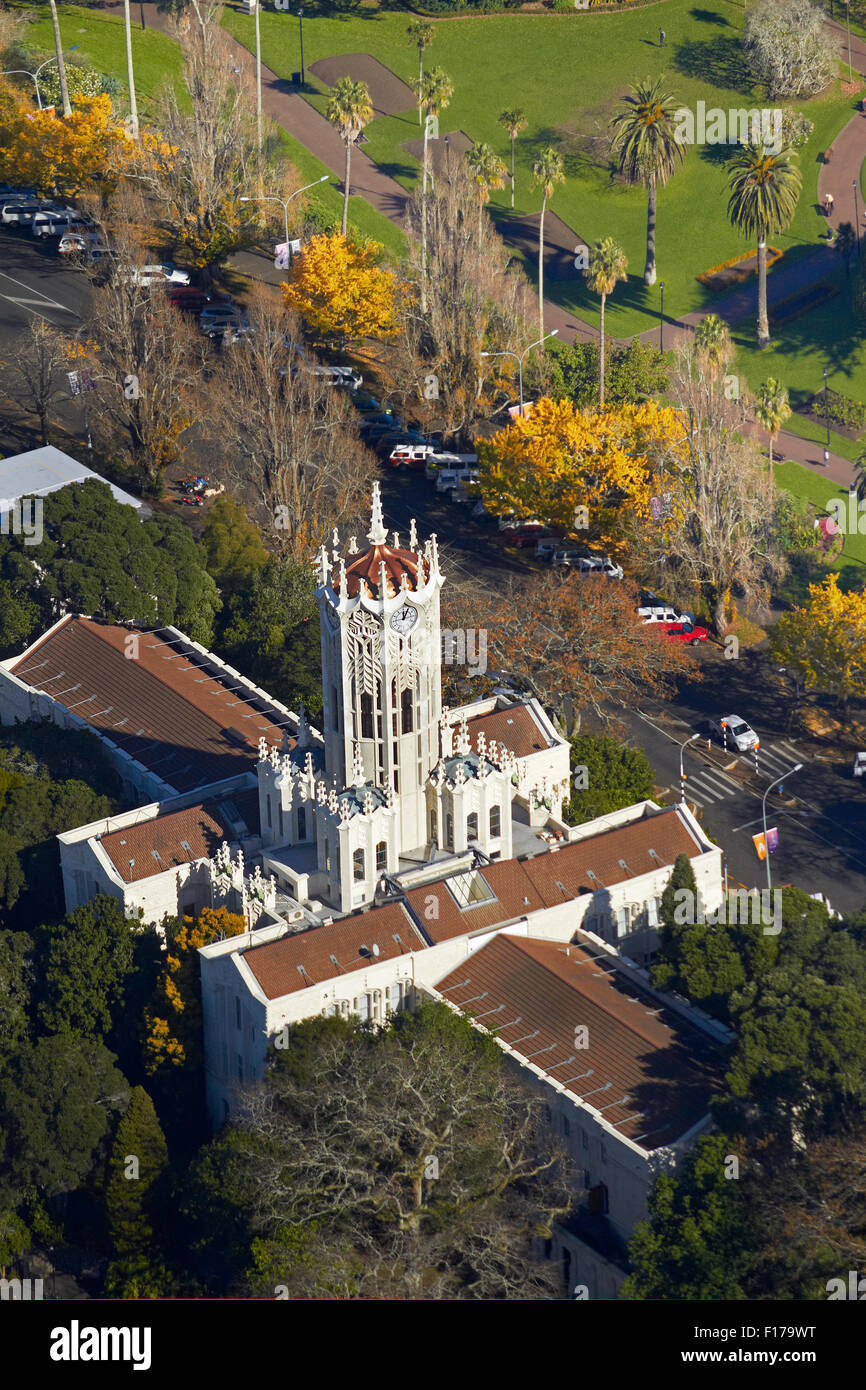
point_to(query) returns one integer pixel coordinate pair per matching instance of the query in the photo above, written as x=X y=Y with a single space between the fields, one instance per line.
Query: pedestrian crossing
x=706 y=785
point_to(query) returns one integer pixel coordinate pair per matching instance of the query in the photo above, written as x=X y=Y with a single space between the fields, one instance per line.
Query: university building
x=403 y=850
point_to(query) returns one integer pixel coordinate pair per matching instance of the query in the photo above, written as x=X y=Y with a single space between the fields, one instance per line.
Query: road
x=821 y=811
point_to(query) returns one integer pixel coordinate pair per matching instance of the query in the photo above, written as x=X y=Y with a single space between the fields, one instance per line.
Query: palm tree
x=547 y=172
x=61 y=62
x=349 y=109
x=130 y=75
x=434 y=90
x=607 y=265
x=648 y=151
x=489 y=172
x=713 y=343
x=764 y=192
x=420 y=33
x=513 y=121
x=772 y=409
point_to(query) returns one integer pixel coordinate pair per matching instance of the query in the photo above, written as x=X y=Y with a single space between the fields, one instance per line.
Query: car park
x=55 y=221
x=569 y=556
x=449 y=478
x=87 y=244
x=731 y=729
x=685 y=632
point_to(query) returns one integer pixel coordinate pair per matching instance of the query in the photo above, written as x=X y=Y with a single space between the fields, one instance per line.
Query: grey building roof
x=45 y=470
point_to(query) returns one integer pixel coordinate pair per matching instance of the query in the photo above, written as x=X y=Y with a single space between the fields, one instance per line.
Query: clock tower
x=381 y=669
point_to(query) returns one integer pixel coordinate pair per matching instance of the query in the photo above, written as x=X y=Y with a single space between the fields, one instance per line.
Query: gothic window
x=281 y=820
x=366 y=714
x=302 y=823
x=335 y=709
x=449 y=832
x=472 y=826
x=358 y=865
x=433 y=826
x=270 y=823
x=406 y=711
x=381 y=856
x=495 y=821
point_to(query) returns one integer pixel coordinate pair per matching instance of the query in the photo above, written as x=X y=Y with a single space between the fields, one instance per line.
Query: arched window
x=270 y=823
x=358 y=865
x=280 y=811
x=433 y=826
x=472 y=826
x=366 y=715
x=302 y=823
x=495 y=821
x=406 y=709
x=335 y=708
x=449 y=832
x=381 y=856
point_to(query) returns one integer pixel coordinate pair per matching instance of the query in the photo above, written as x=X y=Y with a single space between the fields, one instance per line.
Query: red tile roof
x=651 y=1073
x=181 y=837
x=587 y=866
x=326 y=953
x=516 y=727
x=366 y=570
x=442 y=917
x=162 y=707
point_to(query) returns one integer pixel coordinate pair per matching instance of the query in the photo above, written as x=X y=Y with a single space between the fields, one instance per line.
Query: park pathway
x=282 y=103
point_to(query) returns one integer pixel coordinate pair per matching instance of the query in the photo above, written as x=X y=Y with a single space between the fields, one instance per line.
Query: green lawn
x=850 y=564
x=102 y=45
x=567 y=72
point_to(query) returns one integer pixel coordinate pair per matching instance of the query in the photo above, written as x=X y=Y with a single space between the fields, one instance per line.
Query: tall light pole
x=662 y=316
x=301 y=24
x=683 y=746
x=259 y=77
x=284 y=202
x=848 y=22
x=519 y=356
x=25 y=72
x=826 y=416
x=795 y=768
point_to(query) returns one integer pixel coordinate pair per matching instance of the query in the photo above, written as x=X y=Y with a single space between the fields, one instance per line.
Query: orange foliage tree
x=340 y=290
x=61 y=156
x=173 y=1023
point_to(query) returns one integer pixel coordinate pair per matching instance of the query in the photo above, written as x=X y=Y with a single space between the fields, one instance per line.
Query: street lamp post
x=662 y=316
x=519 y=356
x=856 y=214
x=301 y=26
x=25 y=72
x=783 y=671
x=84 y=390
x=683 y=746
x=795 y=768
x=284 y=202
x=848 y=22
x=826 y=416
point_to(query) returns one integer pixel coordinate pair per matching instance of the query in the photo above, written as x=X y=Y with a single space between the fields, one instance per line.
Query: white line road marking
x=33 y=296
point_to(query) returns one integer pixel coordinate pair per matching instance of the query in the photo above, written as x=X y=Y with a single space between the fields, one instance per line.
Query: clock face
x=404 y=619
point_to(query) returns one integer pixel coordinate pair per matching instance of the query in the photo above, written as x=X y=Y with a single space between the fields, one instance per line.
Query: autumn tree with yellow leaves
x=586 y=474
x=341 y=291
x=61 y=156
x=173 y=1052
x=824 y=642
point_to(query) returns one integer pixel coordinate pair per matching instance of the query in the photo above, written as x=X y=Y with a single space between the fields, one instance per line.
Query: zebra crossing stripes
x=706 y=785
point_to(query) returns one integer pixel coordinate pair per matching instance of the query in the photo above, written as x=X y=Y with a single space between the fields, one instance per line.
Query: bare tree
x=341 y=1154
x=721 y=537
x=36 y=372
x=573 y=640
x=147 y=362
x=476 y=302
x=289 y=437
x=787 y=49
x=209 y=158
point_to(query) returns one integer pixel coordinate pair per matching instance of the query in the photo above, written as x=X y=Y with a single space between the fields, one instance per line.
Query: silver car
x=731 y=729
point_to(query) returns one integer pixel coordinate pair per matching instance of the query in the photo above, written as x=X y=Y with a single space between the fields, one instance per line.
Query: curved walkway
x=283 y=104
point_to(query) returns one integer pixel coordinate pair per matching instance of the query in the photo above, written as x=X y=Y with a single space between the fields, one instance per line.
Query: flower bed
x=736 y=270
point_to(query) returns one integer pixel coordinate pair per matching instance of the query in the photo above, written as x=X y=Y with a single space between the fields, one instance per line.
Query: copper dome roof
x=365 y=572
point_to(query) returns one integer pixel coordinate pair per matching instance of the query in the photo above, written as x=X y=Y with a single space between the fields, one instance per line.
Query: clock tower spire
x=381 y=669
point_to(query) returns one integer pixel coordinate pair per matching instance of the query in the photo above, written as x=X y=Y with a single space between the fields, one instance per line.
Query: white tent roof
x=44 y=470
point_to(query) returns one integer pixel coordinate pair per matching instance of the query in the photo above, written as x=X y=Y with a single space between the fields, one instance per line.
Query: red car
x=692 y=633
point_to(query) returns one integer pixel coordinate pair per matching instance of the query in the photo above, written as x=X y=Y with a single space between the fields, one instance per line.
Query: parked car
x=348 y=377
x=364 y=403
x=731 y=728
x=567 y=555
x=409 y=455
x=191 y=299
x=664 y=613
x=82 y=244
x=526 y=533
x=599 y=564
x=692 y=633
x=20 y=212
x=384 y=419
x=548 y=546
x=55 y=221
x=162 y=274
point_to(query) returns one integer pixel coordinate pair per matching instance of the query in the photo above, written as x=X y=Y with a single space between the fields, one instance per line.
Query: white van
x=443 y=459
x=21 y=211
x=56 y=221
x=448 y=478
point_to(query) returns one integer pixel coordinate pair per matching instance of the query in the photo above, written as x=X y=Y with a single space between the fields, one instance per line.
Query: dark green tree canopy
x=615 y=776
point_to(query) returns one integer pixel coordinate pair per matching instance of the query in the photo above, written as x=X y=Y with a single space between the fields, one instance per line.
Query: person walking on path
x=828 y=203
x=661 y=38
